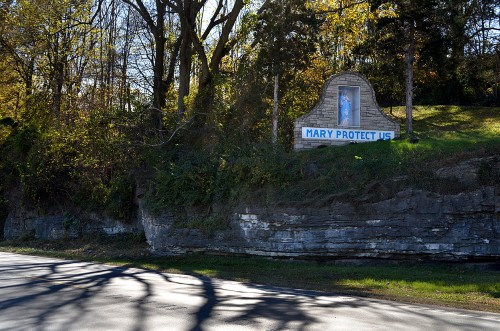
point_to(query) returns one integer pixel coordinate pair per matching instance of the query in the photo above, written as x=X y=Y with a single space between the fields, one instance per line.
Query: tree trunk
x=185 y=56
x=126 y=50
x=275 y=109
x=28 y=78
x=159 y=91
x=110 y=58
x=156 y=25
x=158 y=67
x=204 y=117
x=210 y=68
x=409 y=59
x=58 y=87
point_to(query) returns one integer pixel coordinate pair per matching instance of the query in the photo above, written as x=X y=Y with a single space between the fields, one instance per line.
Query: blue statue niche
x=349 y=106
x=345 y=113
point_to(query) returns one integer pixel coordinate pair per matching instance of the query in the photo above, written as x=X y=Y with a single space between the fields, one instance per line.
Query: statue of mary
x=344 y=110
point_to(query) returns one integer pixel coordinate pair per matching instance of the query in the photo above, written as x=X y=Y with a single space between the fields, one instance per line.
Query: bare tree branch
x=142 y=10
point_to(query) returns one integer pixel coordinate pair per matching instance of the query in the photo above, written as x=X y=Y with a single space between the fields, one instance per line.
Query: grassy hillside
x=266 y=175
x=91 y=172
x=447 y=135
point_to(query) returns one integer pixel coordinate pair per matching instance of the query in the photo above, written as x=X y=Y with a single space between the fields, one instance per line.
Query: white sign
x=345 y=134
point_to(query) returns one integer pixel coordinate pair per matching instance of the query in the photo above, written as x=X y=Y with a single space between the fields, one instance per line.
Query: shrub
x=87 y=164
x=199 y=178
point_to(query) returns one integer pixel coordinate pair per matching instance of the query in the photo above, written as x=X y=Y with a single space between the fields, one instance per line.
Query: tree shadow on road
x=74 y=284
x=84 y=291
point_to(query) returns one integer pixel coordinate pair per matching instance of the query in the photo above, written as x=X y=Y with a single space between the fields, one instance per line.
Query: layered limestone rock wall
x=28 y=224
x=413 y=224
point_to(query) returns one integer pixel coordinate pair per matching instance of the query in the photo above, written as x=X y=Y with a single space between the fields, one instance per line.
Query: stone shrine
x=347 y=112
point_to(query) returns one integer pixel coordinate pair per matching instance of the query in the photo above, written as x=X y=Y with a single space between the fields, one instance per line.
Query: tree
x=346 y=26
x=21 y=41
x=224 y=18
x=409 y=61
x=155 y=20
x=49 y=40
x=413 y=18
x=472 y=32
x=190 y=40
x=286 y=34
x=399 y=31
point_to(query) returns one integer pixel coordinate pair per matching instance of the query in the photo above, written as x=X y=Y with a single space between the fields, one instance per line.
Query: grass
x=454 y=122
x=451 y=285
x=447 y=135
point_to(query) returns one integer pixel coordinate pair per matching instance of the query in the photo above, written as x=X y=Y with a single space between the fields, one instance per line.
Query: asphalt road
x=49 y=294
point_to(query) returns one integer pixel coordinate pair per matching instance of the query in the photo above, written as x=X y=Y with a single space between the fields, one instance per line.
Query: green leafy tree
x=287 y=35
